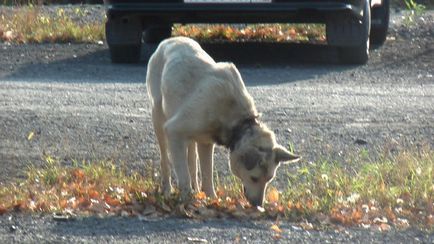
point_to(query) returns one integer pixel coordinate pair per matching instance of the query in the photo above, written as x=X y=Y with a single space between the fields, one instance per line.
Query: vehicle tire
x=124 y=38
x=156 y=34
x=125 y=53
x=380 y=23
x=359 y=54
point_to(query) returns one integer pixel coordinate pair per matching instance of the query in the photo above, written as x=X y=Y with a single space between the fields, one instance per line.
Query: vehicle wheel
x=124 y=38
x=380 y=23
x=156 y=34
x=359 y=54
x=125 y=53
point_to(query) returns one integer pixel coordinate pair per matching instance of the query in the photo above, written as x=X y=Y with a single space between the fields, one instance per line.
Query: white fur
x=193 y=100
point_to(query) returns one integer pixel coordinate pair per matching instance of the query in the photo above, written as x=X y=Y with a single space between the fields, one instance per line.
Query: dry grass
x=310 y=33
x=395 y=192
x=28 y=25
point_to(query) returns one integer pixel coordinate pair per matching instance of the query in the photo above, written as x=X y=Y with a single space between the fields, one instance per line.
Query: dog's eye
x=254 y=179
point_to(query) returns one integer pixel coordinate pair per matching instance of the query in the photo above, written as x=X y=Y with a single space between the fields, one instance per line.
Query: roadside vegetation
x=395 y=191
x=26 y=23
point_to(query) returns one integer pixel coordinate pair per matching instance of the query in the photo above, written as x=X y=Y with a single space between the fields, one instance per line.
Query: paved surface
x=80 y=106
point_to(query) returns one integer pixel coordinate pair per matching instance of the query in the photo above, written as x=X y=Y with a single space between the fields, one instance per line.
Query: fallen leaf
x=30 y=136
x=200 y=195
x=384 y=227
x=3 y=209
x=276 y=228
x=63 y=203
x=382 y=220
x=113 y=202
x=93 y=194
x=306 y=226
x=402 y=223
x=195 y=239
x=277 y=236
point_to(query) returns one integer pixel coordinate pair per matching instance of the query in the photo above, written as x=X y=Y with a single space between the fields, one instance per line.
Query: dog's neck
x=230 y=138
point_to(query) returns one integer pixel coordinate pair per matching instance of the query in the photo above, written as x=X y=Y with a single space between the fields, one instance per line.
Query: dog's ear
x=283 y=155
x=251 y=158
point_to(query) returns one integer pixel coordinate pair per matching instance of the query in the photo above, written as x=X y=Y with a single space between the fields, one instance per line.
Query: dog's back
x=180 y=70
x=173 y=55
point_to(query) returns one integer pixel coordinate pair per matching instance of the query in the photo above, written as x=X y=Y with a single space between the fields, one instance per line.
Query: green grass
x=400 y=189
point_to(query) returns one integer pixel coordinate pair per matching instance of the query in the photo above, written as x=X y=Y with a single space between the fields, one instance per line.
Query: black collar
x=239 y=130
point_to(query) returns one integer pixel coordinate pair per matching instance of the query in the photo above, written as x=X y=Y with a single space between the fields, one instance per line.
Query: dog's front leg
x=206 y=152
x=178 y=155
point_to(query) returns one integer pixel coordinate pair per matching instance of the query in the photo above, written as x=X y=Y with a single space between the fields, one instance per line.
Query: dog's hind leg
x=192 y=165
x=158 y=121
x=178 y=147
x=206 y=152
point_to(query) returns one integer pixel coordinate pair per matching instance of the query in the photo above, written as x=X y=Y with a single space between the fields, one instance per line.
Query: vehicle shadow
x=258 y=62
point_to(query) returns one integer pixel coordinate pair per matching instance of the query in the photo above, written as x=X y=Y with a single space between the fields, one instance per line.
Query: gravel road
x=80 y=106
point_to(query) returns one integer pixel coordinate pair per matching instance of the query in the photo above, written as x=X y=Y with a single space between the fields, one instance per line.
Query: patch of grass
x=416 y=9
x=28 y=25
x=395 y=191
x=399 y=188
x=312 y=33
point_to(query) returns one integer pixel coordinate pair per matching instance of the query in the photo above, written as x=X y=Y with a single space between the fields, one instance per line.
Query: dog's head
x=255 y=160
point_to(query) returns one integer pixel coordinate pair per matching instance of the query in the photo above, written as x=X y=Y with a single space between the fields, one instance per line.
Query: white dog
x=197 y=103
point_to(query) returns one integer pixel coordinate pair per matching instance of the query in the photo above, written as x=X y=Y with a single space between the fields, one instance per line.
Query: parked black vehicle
x=351 y=25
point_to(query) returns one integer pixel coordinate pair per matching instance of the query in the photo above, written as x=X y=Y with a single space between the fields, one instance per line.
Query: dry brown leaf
x=273 y=195
x=384 y=227
x=113 y=202
x=93 y=194
x=78 y=174
x=63 y=203
x=306 y=226
x=277 y=236
x=3 y=209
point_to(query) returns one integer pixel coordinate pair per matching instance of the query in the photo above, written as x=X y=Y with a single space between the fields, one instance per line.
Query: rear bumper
x=277 y=12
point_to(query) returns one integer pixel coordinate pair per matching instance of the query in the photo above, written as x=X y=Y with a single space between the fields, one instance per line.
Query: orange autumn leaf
x=273 y=195
x=390 y=215
x=356 y=216
x=83 y=202
x=127 y=198
x=93 y=194
x=63 y=203
x=114 y=202
x=289 y=205
x=200 y=195
x=78 y=174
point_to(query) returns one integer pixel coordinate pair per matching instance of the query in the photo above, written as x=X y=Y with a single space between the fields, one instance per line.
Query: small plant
x=415 y=8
